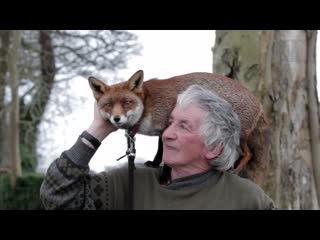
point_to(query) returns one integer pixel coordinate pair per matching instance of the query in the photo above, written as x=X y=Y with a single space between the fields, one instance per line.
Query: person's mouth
x=170 y=147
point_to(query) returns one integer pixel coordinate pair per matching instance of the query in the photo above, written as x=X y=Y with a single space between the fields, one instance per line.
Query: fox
x=145 y=107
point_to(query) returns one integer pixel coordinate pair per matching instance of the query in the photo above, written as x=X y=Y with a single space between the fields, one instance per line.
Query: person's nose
x=169 y=133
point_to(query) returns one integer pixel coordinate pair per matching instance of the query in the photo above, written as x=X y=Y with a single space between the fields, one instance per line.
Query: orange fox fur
x=148 y=104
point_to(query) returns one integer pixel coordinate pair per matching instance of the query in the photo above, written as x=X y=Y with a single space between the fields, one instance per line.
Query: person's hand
x=100 y=128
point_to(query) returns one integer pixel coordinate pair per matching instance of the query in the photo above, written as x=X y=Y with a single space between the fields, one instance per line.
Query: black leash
x=131 y=153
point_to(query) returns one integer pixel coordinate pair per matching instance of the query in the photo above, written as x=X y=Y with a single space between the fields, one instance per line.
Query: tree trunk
x=14 y=147
x=48 y=71
x=4 y=46
x=273 y=65
x=314 y=112
x=33 y=112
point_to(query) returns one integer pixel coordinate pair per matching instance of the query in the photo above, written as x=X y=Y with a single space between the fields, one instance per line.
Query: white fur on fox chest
x=147 y=128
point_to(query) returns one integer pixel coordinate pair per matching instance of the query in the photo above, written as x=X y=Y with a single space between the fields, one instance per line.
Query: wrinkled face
x=123 y=109
x=182 y=144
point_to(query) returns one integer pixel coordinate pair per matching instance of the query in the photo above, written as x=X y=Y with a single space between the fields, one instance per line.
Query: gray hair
x=220 y=126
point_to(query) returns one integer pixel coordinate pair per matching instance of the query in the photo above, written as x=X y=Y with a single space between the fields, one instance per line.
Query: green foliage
x=28 y=157
x=26 y=194
x=27 y=145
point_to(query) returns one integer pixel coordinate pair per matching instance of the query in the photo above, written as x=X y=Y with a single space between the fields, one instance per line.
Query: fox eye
x=128 y=102
x=108 y=104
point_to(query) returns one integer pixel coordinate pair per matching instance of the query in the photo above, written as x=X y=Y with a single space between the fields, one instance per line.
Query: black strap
x=95 y=142
x=131 y=168
x=131 y=156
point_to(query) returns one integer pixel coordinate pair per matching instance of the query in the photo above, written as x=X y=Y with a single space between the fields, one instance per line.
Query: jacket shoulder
x=247 y=191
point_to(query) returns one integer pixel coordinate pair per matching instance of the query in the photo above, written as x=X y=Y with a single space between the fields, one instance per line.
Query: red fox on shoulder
x=146 y=105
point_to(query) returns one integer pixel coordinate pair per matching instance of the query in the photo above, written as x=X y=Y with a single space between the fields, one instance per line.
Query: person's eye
x=183 y=126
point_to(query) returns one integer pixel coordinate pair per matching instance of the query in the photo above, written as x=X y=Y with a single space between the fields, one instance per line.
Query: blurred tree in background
x=44 y=58
x=280 y=68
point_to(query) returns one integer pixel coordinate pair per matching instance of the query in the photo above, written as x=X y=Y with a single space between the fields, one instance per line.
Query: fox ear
x=98 y=87
x=136 y=81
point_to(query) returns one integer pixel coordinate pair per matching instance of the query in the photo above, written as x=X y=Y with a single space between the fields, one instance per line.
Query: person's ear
x=214 y=151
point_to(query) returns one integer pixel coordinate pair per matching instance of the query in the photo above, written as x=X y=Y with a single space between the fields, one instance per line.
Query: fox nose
x=116 y=118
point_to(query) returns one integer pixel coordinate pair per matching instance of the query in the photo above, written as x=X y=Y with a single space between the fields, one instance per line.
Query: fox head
x=120 y=103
